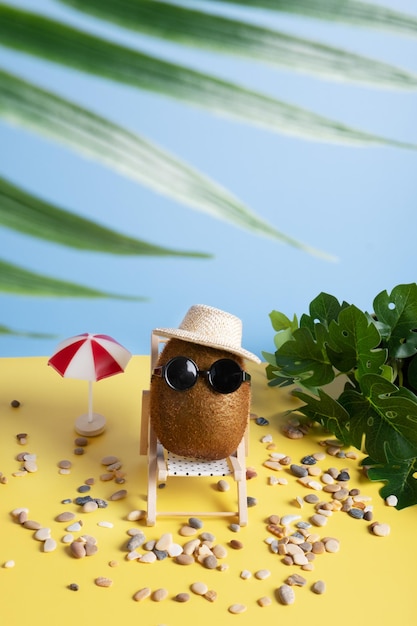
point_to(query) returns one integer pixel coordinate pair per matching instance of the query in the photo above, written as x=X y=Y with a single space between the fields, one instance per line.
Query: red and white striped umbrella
x=89 y=357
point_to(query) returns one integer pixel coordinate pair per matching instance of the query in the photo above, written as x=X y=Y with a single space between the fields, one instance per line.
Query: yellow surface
x=370 y=580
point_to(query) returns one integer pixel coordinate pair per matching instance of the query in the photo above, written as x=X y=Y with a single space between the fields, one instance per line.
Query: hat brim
x=186 y=335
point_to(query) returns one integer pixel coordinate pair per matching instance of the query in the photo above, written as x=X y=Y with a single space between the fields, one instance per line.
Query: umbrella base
x=90 y=429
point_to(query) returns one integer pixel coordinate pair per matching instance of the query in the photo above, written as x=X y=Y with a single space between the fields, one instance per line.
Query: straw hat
x=211 y=327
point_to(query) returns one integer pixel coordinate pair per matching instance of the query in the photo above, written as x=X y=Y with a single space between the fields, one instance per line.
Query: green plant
x=377 y=354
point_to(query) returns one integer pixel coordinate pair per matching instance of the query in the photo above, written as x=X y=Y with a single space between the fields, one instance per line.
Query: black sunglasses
x=181 y=373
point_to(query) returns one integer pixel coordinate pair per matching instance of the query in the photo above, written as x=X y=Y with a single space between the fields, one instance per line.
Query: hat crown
x=211 y=327
x=212 y=324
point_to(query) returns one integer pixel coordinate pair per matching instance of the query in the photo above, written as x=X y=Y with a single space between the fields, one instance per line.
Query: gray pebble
x=135 y=542
x=160 y=554
x=81 y=500
x=102 y=504
x=251 y=501
x=308 y=460
x=298 y=471
x=196 y=523
x=261 y=421
x=356 y=513
x=83 y=488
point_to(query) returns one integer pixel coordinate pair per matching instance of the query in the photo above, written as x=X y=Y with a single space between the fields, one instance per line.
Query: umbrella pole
x=90 y=401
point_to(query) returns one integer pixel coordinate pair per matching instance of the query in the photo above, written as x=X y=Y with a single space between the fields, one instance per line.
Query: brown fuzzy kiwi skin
x=198 y=422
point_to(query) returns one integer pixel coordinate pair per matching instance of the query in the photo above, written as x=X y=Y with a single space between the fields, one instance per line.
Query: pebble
x=235 y=528
x=32 y=524
x=66 y=516
x=15 y=404
x=194 y=522
x=103 y=581
x=309 y=460
x=251 y=501
x=264 y=601
x=135 y=542
x=223 y=485
x=90 y=506
x=245 y=574
x=109 y=460
x=81 y=500
x=261 y=421
x=319 y=587
x=286 y=594
x=332 y=545
x=78 y=549
x=174 y=550
x=235 y=544
x=219 y=551
x=68 y=538
x=356 y=513
x=9 y=564
x=311 y=498
x=73 y=587
x=207 y=537
x=149 y=557
x=199 y=588
x=187 y=531
x=236 y=609
x=210 y=561
x=65 y=464
x=42 y=534
x=142 y=594
x=184 y=559
x=182 y=597
x=102 y=504
x=298 y=471
x=49 y=545
x=164 y=542
x=81 y=442
x=211 y=595
x=262 y=574
x=289 y=519
x=296 y=580
x=74 y=528
x=83 y=488
x=159 y=595
x=391 y=500
x=118 y=495
x=380 y=530
x=318 y=519
x=104 y=524
x=136 y=515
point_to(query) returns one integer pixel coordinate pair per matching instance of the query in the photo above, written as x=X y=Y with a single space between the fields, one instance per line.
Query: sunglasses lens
x=181 y=373
x=225 y=376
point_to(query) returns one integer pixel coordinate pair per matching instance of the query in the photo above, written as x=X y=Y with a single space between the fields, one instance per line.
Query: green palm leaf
x=17 y=280
x=361 y=14
x=28 y=214
x=35 y=109
x=205 y=30
x=6 y=330
x=58 y=42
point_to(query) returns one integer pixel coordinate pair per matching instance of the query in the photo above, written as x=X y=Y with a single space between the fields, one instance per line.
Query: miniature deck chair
x=163 y=464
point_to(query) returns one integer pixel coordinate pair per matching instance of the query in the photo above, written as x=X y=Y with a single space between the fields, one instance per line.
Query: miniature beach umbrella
x=90 y=357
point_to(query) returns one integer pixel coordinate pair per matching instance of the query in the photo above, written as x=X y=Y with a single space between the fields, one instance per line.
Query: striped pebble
x=286 y=594
x=103 y=581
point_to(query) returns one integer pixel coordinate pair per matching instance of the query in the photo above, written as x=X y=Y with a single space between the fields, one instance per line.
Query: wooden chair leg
x=152 y=478
x=241 y=485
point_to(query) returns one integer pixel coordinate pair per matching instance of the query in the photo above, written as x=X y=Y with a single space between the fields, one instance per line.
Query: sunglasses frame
x=161 y=372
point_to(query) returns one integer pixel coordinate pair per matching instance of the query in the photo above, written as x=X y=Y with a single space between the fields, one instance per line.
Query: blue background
x=356 y=203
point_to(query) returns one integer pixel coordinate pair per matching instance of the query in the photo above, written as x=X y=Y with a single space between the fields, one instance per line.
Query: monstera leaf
x=385 y=415
x=399 y=478
x=328 y=412
x=397 y=314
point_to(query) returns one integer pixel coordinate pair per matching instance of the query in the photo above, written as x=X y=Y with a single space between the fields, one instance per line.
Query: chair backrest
x=156 y=342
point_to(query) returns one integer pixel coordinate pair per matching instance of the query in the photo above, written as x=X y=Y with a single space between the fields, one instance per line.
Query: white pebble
x=245 y=574
x=49 y=545
x=42 y=534
x=74 y=528
x=391 y=500
x=266 y=439
x=68 y=538
x=174 y=549
x=9 y=564
x=105 y=524
x=289 y=519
